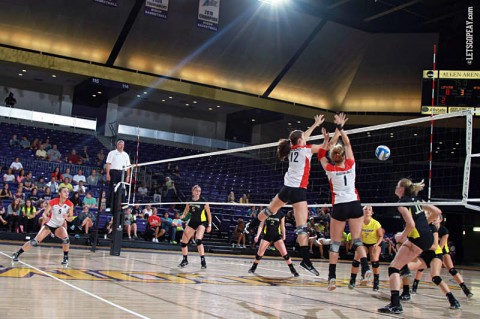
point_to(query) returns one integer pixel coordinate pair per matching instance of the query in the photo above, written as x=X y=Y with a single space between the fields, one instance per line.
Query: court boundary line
x=80 y=289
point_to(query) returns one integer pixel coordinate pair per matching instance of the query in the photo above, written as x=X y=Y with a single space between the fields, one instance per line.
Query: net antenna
x=256 y=171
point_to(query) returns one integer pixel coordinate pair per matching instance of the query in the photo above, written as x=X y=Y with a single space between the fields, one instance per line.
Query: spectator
x=56 y=173
x=14 y=213
x=147 y=211
x=244 y=199
x=54 y=154
x=130 y=224
x=80 y=188
x=76 y=200
x=10 y=100
x=14 y=142
x=24 y=143
x=34 y=197
x=178 y=223
x=16 y=165
x=239 y=233
x=35 y=145
x=21 y=176
x=79 y=177
x=28 y=182
x=253 y=211
x=137 y=211
x=20 y=194
x=74 y=158
x=176 y=171
x=8 y=177
x=155 y=224
x=40 y=184
x=41 y=154
x=29 y=212
x=231 y=197
x=53 y=185
x=67 y=174
x=85 y=219
x=142 y=190
x=66 y=183
x=41 y=220
x=46 y=145
x=89 y=200
x=103 y=201
x=84 y=155
x=3 y=216
x=48 y=193
x=170 y=189
x=5 y=193
x=100 y=158
x=93 y=179
x=170 y=229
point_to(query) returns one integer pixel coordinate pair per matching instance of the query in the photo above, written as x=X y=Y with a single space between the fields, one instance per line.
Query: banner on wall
x=157 y=8
x=111 y=3
x=208 y=14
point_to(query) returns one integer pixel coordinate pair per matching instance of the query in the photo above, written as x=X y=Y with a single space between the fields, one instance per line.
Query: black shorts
x=293 y=195
x=52 y=229
x=272 y=238
x=368 y=245
x=424 y=242
x=345 y=211
x=195 y=224
x=428 y=256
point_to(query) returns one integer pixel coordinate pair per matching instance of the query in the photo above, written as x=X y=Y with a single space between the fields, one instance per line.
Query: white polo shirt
x=118 y=159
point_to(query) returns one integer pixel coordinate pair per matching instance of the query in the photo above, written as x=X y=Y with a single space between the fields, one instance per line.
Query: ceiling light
x=440 y=143
x=274 y=2
x=218 y=105
x=94 y=95
x=289 y=123
x=163 y=100
x=20 y=74
x=170 y=97
x=186 y=104
x=210 y=109
x=299 y=122
x=24 y=71
x=194 y=102
x=138 y=95
x=99 y=92
x=253 y=120
x=145 y=92
x=54 y=76
x=415 y=134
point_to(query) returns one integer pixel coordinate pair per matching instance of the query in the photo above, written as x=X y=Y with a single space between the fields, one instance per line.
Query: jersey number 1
x=345 y=179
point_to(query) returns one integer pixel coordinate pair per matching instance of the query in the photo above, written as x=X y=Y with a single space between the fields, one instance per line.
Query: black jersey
x=442 y=231
x=414 y=206
x=197 y=211
x=272 y=224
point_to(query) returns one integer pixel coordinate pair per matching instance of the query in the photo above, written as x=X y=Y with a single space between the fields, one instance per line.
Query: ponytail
x=410 y=187
x=283 y=149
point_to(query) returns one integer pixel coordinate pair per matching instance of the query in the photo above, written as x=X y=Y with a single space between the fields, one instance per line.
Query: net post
x=468 y=157
x=117 y=232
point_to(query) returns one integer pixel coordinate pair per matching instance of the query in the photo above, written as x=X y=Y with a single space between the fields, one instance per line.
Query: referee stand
x=117 y=193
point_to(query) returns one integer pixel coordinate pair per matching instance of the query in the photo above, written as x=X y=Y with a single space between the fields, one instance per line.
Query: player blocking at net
x=294 y=190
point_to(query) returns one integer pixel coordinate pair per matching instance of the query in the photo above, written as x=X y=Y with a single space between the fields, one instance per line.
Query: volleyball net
x=444 y=160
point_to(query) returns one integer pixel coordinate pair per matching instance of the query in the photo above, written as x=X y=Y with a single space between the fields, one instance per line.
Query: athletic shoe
x=376 y=285
x=414 y=291
x=251 y=270
x=468 y=293
x=183 y=263
x=65 y=260
x=309 y=267
x=294 y=273
x=405 y=297
x=397 y=310
x=454 y=304
x=351 y=284
x=366 y=278
x=173 y=242
x=15 y=256
x=332 y=284
x=204 y=264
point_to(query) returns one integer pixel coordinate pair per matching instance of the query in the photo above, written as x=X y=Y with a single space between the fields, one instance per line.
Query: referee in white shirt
x=117 y=161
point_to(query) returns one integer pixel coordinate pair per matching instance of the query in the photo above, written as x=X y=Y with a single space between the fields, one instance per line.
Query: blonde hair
x=410 y=187
x=337 y=149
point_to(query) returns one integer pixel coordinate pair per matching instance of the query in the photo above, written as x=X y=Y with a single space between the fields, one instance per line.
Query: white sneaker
x=153 y=240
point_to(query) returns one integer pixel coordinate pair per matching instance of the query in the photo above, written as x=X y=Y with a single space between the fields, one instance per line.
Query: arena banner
x=157 y=8
x=208 y=14
x=111 y=3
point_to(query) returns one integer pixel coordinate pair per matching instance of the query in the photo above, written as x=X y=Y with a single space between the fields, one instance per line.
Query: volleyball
x=382 y=152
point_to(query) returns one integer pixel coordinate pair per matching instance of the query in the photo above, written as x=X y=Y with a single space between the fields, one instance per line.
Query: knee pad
x=357 y=242
x=301 y=230
x=199 y=242
x=393 y=270
x=375 y=264
x=267 y=212
x=437 y=280
x=66 y=241
x=335 y=246
x=453 y=271
x=183 y=245
x=257 y=257
x=34 y=243
x=355 y=263
x=286 y=257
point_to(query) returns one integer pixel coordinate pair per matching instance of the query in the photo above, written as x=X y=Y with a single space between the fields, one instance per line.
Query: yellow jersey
x=369 y=232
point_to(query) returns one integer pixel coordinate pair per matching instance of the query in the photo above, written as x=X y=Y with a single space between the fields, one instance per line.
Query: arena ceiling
x=362 y=56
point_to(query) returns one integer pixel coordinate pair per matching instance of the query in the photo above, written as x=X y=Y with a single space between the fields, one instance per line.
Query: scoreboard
x=454 y=91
